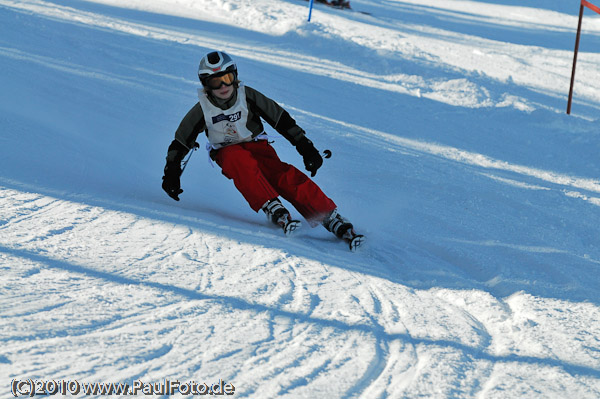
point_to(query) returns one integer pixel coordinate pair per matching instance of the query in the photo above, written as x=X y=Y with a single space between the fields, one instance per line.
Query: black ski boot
x=343 y=229
x=280 y=216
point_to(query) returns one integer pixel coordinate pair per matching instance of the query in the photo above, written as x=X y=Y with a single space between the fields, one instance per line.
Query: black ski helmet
x=215 y=63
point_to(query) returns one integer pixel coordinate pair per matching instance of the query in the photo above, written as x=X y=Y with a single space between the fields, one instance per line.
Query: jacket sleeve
x=187 y=133
x=274 y=115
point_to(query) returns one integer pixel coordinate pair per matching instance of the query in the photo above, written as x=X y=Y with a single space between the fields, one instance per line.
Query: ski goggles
x=216 y=82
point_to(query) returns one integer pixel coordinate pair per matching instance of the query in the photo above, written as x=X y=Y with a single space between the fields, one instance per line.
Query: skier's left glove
x=171 y=180
x=312 y=159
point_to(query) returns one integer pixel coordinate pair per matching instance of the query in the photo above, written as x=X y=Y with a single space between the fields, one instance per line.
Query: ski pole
x=326 y=154
x=184 y=163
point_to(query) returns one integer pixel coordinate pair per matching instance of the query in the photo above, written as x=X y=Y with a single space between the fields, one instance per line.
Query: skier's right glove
x=312 y=159
x=171 y=182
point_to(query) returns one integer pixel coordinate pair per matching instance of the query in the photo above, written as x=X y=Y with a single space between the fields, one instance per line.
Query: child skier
x=230 y=115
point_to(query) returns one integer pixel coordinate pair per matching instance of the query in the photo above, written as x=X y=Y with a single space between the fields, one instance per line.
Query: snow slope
x=451 y=151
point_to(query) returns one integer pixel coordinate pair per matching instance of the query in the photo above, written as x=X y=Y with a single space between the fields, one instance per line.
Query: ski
x=351 y=238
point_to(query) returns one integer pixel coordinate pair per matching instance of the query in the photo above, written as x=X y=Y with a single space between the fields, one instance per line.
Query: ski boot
x=343 y=229
x=280 y=216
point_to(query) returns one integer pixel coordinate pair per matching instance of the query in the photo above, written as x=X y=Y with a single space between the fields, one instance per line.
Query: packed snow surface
x=452 y=153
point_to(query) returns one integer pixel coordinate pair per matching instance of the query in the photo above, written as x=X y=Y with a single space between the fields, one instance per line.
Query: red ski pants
x=260 y=176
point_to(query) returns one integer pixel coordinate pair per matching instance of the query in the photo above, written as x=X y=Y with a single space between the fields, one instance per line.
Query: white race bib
x=226 y=127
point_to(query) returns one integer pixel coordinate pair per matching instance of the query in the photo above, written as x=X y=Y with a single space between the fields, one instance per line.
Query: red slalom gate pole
x=575 y=59
x=584 y=3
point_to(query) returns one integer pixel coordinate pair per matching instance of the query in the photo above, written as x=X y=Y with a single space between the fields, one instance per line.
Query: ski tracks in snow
x=161 y=297
x=145 y=298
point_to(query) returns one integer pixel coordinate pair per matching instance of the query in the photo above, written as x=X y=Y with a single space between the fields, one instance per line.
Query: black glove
x=312 y=159
x=171 y=183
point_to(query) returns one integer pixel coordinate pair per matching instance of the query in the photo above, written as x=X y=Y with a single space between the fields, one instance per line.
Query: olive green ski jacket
x=260 y=108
